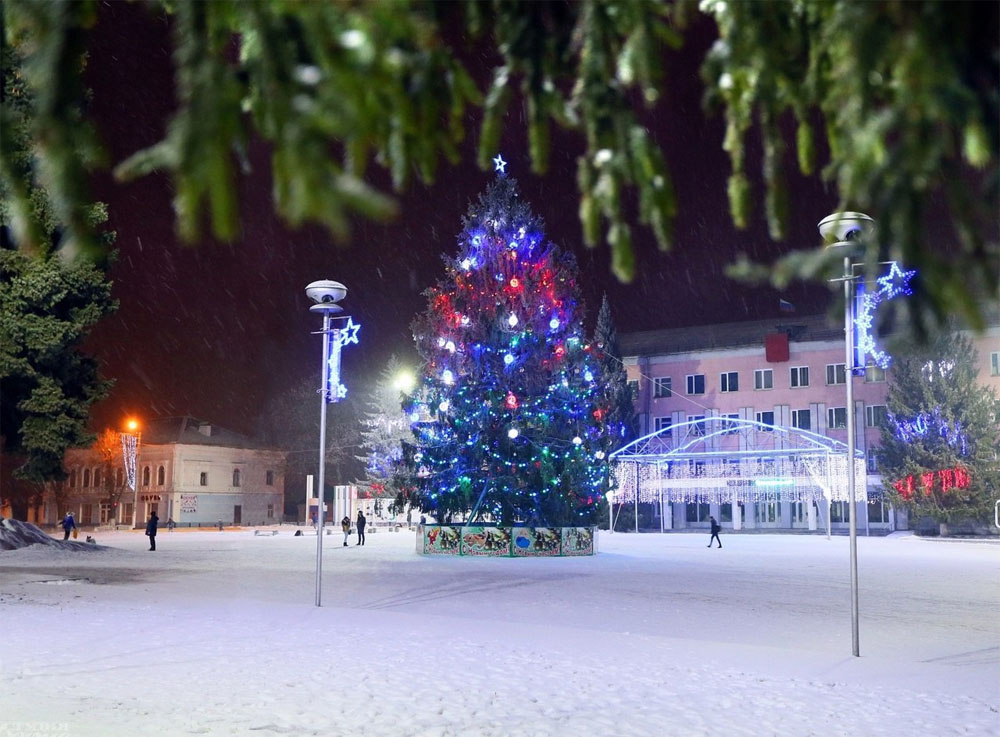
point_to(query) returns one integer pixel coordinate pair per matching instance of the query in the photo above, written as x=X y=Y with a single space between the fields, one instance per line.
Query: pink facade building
x=789 y=373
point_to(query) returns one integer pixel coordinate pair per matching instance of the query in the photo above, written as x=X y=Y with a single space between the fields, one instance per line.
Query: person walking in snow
x=68 y=525
x=345 y=525
x=715 y=532
x=361 y=528
x=151 y=529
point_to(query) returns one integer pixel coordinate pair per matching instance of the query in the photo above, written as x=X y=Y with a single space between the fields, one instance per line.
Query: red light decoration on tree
x=951 y=478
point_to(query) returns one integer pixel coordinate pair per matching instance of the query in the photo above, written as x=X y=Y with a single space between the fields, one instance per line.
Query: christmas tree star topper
x=500 y=164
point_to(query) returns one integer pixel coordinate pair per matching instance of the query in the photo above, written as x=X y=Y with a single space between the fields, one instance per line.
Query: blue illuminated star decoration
x=893 y=284
x=349 y=333
x=499 y=164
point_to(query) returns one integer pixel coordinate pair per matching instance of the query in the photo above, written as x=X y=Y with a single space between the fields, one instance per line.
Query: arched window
x=97 y=478
x=86 y=478
x=145 y=476
x=72 y=479
x=161 y=475
x=236 y=477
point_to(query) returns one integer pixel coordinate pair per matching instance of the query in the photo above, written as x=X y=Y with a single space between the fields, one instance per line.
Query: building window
x=633 y=388
x=87 y=514
x=203 y=479
x=877 y=511
x=72 y=479
x=127 y=514
x=236 y=477
x=836 y=373
x=86 y=478
x=107 y=513
x=766 y=418
x=840 y=511
x=145 y=476
x=802 y=419
x=763 y=379
x=872 y=460
x=270 y=511
x=161 y=475
x=269 y=478
x=875 y=415
x=696 y=383
x=729 y=381
x=662 y=387
x=662 y=423
x=97 y=478
x=836 y=417
x=798 y=376
x=995 y=364
x=696 y=512
x=729 y=424
x=874 y=375
x=698 y=428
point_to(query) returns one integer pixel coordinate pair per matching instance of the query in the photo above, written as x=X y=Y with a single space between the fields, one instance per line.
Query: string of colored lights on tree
x=507 y=418
x=928 y=425
x=948 y=480
x=893 y=284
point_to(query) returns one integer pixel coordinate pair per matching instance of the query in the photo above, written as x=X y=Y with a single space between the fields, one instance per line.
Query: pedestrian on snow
x=361 y=528
x=151 y=529
x=171 y=524
x=715 y=532
x=345 y=525
x=68 y=525
x=312 y=516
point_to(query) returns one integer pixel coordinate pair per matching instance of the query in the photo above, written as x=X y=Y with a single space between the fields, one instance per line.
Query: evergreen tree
x=618 y=396
x=941 y=442
x=384 y=428
x=508 y=418
x=48 y=305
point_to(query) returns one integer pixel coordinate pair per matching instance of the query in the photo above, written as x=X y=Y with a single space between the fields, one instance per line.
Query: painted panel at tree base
x=536 y=541
x=442 y=539
x=486 y=541
x=577 y=540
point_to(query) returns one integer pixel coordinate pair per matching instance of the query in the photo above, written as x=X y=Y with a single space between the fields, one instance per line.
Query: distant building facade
x=187 y=470
x=788 y=373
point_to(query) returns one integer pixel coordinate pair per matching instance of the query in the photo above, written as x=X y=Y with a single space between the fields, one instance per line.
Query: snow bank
x=15 y=535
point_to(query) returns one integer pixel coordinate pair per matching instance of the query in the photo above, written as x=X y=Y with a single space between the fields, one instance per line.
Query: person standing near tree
x=715 y=532
x=361 y=528
x=151 y=529
x=345 y=525
x=68 y=525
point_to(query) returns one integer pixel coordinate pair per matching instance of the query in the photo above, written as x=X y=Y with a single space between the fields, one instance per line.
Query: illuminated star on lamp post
x=349 y=333
x=500 y=164
x=896 y=281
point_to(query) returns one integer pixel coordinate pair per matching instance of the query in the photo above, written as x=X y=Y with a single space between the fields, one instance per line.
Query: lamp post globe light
x=325 y=295
x=844 y=231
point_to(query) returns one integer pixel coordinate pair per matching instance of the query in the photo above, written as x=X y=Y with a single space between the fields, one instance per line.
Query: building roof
x=799 y=328
x=192 y=431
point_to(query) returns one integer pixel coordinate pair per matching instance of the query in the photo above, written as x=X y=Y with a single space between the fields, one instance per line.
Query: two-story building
x=187 y=470
x=786 y=373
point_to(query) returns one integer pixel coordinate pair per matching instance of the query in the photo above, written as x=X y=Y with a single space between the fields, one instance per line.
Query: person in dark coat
x=361 y=528
x=345 y=525
x=151 y=529
x=715 y=532
x=68 y=525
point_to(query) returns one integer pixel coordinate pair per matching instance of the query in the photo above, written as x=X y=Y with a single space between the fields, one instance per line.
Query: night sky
x=217 y=330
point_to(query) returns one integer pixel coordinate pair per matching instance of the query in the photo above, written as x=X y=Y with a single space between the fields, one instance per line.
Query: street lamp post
x=842 y=230
x=325 y=293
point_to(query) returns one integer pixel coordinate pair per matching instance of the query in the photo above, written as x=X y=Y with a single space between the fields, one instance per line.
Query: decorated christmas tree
x=384 y=427
x=509 y=418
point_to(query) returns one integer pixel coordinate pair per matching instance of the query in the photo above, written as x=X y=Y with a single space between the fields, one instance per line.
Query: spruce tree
x=508 y=419
x=940 y=444
x=384 y=428
x=618 y=396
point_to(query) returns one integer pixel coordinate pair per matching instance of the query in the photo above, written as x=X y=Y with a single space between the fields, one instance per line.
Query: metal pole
x=322 y=459
x=135 y=484
x=852 y=514
x=636 y=497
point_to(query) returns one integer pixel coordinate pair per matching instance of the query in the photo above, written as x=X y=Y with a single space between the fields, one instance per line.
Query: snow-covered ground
x=216 y=633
